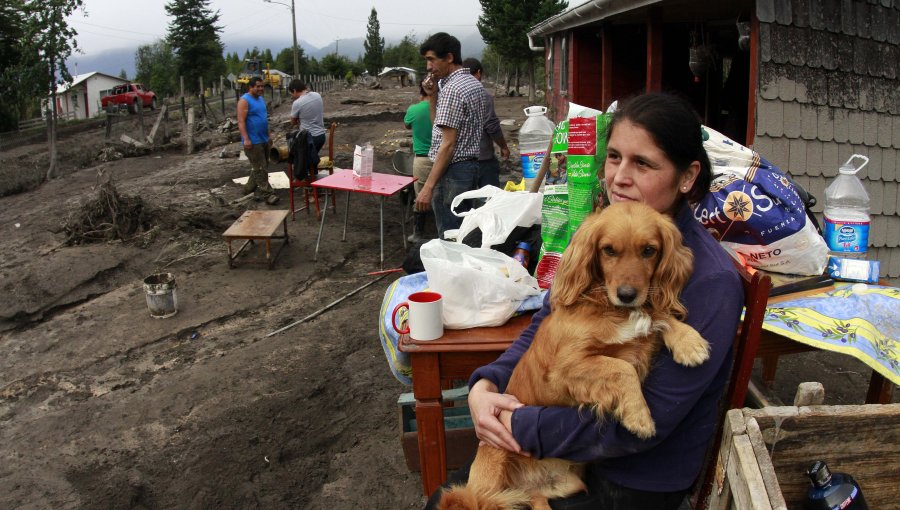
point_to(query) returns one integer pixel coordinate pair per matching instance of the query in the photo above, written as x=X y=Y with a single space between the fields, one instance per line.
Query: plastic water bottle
x=832 y=491
x=847 y=212
x=523 y=253
x=534 y=138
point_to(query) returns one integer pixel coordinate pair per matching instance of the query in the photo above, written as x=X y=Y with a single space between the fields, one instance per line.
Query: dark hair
x=675 y=127
x=422 y=92
x=254 y=80
x=473 y=64
x=442 y=44
x=296 y=86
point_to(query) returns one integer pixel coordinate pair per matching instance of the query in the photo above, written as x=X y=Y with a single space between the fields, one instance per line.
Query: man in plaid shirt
x=459 y=109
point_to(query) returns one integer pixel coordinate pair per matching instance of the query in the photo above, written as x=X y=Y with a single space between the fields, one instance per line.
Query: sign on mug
x=424 y=316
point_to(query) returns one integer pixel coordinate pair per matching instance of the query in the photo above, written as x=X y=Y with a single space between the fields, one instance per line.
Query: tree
x=284 y=61
x=12 y=30
x=504 y=24
x=47 y=42
x=194 y=37
x=123 y=74
x=374 y=45
x=405 y=54
x=155 y=67
x=335 y=65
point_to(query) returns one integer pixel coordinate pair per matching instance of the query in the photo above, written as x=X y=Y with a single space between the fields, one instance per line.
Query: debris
x=108 y=217
x=129 y=140
x=230 y=153
x=355 y=101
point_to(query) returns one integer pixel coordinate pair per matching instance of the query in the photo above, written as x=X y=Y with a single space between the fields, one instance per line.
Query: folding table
x=383 y=185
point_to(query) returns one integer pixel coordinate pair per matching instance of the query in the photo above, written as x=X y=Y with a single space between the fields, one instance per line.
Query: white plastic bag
x=480 y=286
x=503 y=212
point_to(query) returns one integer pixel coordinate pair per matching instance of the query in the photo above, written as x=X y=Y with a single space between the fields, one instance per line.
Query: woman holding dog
x=655 y=155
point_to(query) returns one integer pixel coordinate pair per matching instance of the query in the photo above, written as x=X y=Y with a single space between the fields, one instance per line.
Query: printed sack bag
x=754 y=209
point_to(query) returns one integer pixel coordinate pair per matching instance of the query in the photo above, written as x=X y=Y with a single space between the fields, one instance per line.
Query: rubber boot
x=418 y=228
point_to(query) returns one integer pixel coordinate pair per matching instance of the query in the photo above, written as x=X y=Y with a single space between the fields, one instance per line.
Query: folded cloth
x=856 y=319
x=397 y=293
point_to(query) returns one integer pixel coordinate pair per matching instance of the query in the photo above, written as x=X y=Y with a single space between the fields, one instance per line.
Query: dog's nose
x=626 y=294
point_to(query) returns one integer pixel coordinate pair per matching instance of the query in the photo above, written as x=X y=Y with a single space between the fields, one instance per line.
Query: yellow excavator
x=254 y=67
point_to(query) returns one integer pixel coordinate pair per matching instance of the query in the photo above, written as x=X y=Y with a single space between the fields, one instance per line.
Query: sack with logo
x=756 y=210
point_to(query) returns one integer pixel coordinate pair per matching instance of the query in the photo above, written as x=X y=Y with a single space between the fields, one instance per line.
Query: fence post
x=183 y=111
x=222 y=93
x=140 y=112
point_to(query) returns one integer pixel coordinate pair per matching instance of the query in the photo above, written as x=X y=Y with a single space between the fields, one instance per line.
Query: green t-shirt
x=418 y=117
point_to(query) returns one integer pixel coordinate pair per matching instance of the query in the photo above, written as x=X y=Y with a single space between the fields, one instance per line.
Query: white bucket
x=162 y=299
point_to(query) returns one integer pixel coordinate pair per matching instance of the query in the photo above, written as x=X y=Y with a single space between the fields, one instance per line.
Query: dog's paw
x=690 y=350
x=638 y=421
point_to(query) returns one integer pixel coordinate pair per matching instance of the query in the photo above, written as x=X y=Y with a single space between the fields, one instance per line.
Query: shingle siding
x=829 y=87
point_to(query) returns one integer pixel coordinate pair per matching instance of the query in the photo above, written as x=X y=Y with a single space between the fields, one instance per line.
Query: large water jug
x=534 y=139
x=829 y=490
x=847 y=212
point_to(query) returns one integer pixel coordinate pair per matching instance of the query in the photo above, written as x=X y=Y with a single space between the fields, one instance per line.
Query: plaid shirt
x=461 y=105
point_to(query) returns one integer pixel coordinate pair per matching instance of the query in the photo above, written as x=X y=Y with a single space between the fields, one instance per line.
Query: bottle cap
x=524 y=245
x=819 y=474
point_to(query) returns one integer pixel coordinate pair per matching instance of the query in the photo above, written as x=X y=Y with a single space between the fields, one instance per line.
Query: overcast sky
x=112 y=24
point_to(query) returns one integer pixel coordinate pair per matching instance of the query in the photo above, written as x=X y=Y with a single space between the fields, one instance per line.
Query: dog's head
x=628 y=255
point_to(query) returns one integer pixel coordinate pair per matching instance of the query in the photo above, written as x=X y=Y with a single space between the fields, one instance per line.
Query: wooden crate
x=460 y=432
x=765 y=453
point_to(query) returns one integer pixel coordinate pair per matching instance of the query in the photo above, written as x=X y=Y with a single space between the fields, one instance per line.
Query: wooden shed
x=806 y=83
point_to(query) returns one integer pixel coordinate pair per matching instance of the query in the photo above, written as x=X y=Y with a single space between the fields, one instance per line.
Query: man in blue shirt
x=253 y=123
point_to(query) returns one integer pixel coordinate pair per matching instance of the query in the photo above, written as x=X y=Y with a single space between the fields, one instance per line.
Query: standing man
x=460 y=110
x=418 y=119
x=253 y=123
x=306 y=112
x=488 y=165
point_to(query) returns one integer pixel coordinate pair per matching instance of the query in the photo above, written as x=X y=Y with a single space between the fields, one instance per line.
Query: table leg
x=269 y=252
x=881 y=391
x=381 y=227
x=346 y=215
x=230 y=260
x=403 y=228
x=319 y=238
x=430 y=420
x=287 y=240
x=769 y=366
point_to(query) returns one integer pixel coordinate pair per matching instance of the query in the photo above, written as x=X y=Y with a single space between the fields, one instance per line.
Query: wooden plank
x=766 y=470
x=750 y=493
x=720 y=496
x=810 y=394
x=151 y=138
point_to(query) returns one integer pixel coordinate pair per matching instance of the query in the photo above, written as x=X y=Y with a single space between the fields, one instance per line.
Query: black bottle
x=832 y=491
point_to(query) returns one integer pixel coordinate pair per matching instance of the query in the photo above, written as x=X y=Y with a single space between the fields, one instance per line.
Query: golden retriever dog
x=614 y=302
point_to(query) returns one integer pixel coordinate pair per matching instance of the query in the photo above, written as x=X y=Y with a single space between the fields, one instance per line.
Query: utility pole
x=294 y=23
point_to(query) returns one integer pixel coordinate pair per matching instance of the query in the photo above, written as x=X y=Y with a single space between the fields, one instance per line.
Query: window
x=563 y=64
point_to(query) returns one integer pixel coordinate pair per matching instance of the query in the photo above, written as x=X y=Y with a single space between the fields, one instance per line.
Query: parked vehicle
x=130 y=95
x=254 y=67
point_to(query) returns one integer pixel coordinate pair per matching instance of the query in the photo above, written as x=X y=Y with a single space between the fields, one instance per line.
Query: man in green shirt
x=418 y=119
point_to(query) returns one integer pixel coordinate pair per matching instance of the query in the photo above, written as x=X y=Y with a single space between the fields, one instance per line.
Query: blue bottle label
x=531 y=163
x=846 y=236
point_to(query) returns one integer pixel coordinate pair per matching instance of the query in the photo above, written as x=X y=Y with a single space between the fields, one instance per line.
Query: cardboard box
x=460 y=433
x=765 y=453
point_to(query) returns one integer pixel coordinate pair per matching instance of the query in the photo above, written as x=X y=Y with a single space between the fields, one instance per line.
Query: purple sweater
x=683 y=401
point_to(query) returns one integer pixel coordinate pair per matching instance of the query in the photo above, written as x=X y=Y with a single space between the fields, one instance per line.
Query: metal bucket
x=162 y=299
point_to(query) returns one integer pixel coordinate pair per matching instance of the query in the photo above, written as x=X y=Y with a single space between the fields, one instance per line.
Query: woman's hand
x=487 y=406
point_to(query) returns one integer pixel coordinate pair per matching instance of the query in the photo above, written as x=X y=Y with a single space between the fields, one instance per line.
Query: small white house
x=81 y=98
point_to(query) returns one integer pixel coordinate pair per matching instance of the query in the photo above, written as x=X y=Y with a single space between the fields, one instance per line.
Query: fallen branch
x=326 y=307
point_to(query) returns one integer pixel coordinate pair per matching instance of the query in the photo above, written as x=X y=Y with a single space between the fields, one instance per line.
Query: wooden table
x=257 y=225
x=383 y=185
x=458 y=353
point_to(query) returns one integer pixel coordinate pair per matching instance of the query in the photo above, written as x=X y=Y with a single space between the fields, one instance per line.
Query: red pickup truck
x=131 y=95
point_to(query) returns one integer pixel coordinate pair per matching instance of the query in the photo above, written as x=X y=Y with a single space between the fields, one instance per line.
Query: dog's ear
x=579 y=268
x=675 y=267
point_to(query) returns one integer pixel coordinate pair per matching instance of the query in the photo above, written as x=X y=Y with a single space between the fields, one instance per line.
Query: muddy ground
x=102 y=406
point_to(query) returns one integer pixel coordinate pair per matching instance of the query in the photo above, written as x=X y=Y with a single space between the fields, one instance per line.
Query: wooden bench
x=257 y=225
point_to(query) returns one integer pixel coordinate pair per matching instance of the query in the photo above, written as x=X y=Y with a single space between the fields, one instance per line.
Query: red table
x=383 y=185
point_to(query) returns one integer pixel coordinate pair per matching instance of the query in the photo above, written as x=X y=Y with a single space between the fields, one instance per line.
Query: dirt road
x=102 y=406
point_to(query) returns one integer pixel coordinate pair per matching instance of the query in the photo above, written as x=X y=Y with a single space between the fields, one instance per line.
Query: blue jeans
x=488 y=172
x=460 y=177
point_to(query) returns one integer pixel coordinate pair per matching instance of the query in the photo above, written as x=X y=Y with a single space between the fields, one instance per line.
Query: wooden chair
x=756 y=296
x=314 y=172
